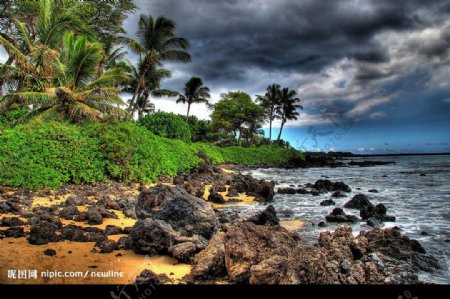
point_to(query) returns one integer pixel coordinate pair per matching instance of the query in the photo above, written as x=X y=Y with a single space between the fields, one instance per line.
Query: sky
x=373 y=75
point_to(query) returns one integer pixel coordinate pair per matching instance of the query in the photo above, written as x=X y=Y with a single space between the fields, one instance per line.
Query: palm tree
x=149 y=87
x=32 y=48
x=288 y=108
x=270 y=101
x=76 y=90
x=156 y=43
x=194 y=92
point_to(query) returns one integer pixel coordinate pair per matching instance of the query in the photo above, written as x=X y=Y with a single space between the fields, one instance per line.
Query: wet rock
x=322 y=224
x=93 y=216
x=358 y=202
x=266 y=217
x=302 y=191
x=248 y=244
x=43 y=233
x=315 y=193
x=69 y=212
x=14 y=232
x=328 y=202
x=111 y=230
x=338 y=194
x=188 y=215
x=369 y=163
x=287 y=191
x=328 y=186
x=338 y=215
x=375 y=216
x=373 y=191
x=216 y=198
x=50 y=252
x=285 y=213
x=107 y=246
x=11 y=222
x=151 y=279
x=261 y=189
x=210 y=262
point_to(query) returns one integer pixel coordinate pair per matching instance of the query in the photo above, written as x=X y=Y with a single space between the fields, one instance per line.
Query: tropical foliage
x=194 y=92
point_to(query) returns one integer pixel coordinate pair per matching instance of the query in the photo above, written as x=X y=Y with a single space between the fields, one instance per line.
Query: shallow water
x=420 y=203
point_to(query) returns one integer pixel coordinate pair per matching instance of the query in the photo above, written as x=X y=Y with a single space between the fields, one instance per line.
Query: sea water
x=416 y=190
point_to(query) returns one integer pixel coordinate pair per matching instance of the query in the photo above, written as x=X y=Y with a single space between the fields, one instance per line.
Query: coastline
x=120 y=200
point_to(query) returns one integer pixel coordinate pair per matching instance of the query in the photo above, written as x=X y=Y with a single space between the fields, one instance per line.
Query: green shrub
x=48 y=155
x=167 y=125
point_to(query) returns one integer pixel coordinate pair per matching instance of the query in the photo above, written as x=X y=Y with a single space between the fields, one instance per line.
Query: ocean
x=416 y=190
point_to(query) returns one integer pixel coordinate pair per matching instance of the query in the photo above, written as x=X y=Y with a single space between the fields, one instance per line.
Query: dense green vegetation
x=167 y=125
x=62 y=118
x=51 y=154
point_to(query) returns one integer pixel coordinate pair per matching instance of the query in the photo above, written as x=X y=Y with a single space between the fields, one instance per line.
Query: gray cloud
x=361 y=54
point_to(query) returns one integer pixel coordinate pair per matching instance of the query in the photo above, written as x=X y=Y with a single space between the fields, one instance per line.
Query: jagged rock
x=338 y=215
x=232 y=193
x=107 y=246
x=108 y=203
x=75 y=201
x=195 y=188
x=248 y=244
x=272 y=271
x=328 y=202
x=210 y=262
x=322 y=224
x=69 y=212
x=93 y=216
x=125 y=243
x=149 y=278
x=358 y=202
x=375 y=216
x=50 y=252
x=183 y=252
x=111 y=230
x=261 y=189
x=188 y=215
x=373 y=191
x=14 y=232
x=216 y=198
x=43 y=233
x=11 y=222
x=266 y=217
x=152 y=236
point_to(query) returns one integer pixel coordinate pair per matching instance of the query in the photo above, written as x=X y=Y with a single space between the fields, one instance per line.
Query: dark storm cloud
x=376 y=60
x=302 y=36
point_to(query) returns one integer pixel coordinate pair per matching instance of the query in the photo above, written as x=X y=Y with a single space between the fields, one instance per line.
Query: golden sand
x=18 y=254
x=244 y=199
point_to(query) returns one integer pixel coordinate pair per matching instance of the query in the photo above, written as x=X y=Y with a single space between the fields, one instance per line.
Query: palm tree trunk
x=131 y=108
x=188 y=111
x=144 y=104
x=281 y=130
x=271 y=120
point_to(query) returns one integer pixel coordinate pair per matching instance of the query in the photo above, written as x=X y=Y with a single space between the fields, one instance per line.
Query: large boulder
x=358 y=202
x=261 y=189
x=186 y=214
x=328 y=186
x=43 y=233
x=150 y=236
x=375 y=216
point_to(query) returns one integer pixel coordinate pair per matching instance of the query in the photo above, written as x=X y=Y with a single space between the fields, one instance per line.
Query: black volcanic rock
x=358 y=202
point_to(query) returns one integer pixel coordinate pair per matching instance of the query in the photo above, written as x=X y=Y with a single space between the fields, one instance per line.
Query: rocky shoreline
x=186 y=219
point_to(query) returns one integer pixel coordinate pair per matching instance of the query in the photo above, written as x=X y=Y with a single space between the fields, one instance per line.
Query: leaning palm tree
x=149 y=87
x=156 y=42
x=270 y=101
x=288 y=108
x=194 y=92
x=76 y=91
